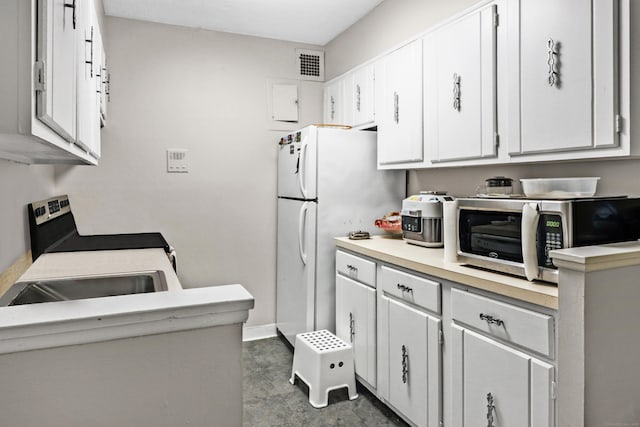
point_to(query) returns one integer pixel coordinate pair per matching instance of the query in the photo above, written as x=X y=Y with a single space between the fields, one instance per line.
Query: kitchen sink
x=75 y=288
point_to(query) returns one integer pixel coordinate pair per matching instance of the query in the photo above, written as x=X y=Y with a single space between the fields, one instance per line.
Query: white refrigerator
x=328 y=185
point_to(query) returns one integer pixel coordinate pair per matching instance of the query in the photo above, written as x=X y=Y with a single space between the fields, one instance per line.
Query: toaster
x=422 y=218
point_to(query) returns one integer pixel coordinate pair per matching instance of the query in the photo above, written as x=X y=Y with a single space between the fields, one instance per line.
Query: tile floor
x=270 y=400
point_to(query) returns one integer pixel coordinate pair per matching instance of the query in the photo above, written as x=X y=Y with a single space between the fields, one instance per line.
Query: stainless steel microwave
x=515 y=235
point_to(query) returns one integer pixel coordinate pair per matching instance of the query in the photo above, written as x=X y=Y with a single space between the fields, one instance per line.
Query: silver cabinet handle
x=396 y=107
x=352 y=324
x=490 y=409
x=456 y=92
x=405 y=365
x=552 y=77
x=404 y=288
x=333 y=108
x=358 y=98
x=491 y=320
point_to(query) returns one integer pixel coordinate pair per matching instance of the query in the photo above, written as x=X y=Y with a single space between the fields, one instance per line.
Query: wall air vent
x=310 y=64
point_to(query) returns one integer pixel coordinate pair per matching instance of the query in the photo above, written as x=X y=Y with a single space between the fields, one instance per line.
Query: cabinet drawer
x=409 y=287
x=357 y=268
x=520 y=326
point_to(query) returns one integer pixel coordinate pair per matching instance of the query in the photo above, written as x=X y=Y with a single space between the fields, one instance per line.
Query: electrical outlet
x=177 y=160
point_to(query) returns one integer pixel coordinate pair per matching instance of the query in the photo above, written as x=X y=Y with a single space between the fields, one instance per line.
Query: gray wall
x=204 y=91
x=19 y=185
x=186 y=378
x=394 y=22
x=389 y=24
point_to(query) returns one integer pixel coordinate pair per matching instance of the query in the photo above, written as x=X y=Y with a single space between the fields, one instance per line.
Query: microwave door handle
x=301 y=231
x=302 y=177
x=530 y=218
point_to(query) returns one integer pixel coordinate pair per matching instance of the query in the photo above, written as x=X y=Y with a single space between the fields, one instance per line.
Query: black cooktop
x=53 y=229
x=108 y=242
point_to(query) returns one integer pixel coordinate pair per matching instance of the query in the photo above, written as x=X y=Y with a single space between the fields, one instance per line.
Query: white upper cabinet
x=334 y=102
x=359 y=96
x=460 y=88
x=88 y=113
x=348 y=100
x=565 y=88
x=48 y=103
x=58 y=34
x=398 y=106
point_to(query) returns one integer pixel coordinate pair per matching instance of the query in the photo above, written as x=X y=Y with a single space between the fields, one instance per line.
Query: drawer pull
x=491 y=320
x=405 y=365
x=404 y=288
x=352 y=268
x=490 y=409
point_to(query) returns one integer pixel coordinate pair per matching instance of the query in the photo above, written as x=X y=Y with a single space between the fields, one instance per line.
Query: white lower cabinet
x=492 y=364
x=409 y=351
x=356 y=324
x=494 y=381
x=411 y=359
x=496 y=385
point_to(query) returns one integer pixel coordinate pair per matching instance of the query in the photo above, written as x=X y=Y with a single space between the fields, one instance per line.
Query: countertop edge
x=545 y=295
x=598 y=257
x=32 y=327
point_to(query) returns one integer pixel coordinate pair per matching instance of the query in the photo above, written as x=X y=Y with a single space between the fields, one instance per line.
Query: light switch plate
x=177 y=160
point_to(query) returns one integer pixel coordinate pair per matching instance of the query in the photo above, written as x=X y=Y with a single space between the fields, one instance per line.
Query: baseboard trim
x=252 y=333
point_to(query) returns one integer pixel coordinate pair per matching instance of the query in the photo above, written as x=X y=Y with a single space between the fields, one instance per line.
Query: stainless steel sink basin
x=75 y=288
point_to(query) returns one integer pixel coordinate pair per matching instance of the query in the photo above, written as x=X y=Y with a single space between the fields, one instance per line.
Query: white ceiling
x=305 y=21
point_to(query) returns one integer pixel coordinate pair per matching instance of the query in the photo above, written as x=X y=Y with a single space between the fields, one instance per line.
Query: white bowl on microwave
x=560 y=188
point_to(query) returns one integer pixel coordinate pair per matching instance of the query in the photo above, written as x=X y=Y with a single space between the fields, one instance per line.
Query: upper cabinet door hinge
x=618 y=123
x=440 y=337
x=496 y=19
x=38 y=76
x=496 y=140
x=554 y=390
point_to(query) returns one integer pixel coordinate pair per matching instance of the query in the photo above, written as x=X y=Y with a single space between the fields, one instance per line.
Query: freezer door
x=296 y=264
x=297 y=162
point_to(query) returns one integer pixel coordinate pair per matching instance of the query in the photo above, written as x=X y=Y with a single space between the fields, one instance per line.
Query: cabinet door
x=564 y=52
x=88 y=119
x=413 y=362
x=355 y=324
x=334 y=102
x=101 y=81
x=398 y=105
x=56 y=66
x=360 y=96
x=496 y=385
x=460 y=88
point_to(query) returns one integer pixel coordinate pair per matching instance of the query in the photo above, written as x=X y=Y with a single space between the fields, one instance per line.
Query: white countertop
x=37 y=326
x=431 y=261
x=97 y=263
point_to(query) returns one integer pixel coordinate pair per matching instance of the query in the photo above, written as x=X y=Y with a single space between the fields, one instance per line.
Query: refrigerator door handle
x=302 y=168
x=301 y=231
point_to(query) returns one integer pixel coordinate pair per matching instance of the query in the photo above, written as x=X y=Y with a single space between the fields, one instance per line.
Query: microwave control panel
x=549 y=238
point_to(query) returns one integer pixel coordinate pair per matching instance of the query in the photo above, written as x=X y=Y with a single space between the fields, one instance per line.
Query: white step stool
x=324 y=362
